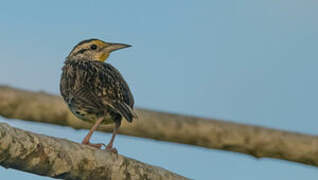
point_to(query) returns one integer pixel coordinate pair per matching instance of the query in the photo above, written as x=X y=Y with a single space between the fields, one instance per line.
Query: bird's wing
x=119 y=84
x=112 y=89
x=97 y=86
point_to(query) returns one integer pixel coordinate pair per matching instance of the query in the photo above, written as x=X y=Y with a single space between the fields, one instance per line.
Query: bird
x=95 y=91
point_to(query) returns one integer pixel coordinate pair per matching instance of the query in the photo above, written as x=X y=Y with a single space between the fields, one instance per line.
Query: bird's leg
x=110 y=144
x=91 y=131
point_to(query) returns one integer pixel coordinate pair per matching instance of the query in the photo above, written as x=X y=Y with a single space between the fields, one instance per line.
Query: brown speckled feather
x=95 y=89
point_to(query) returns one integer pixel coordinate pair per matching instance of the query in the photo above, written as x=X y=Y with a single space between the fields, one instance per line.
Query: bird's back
x=94 y=89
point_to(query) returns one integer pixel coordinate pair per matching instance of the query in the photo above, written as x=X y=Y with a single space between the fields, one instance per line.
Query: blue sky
x=246 y=61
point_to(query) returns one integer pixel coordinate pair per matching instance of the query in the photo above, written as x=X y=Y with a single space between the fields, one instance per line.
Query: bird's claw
x=98 y=145
x=111 y=149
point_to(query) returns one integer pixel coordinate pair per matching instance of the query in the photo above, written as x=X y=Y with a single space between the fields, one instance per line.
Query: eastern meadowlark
x=95 y=91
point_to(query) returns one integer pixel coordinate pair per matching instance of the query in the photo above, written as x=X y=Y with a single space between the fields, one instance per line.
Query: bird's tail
x=126 y=111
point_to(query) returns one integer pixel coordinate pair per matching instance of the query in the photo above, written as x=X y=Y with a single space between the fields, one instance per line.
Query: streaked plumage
x=93 y=89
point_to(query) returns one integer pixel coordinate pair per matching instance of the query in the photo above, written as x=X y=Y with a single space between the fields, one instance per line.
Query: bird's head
x=94 y=50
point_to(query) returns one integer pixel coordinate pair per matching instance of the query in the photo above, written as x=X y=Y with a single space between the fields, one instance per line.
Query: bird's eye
x=93 y=46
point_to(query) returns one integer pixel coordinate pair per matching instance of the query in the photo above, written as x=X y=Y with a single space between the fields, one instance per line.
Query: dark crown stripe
x=83 y=42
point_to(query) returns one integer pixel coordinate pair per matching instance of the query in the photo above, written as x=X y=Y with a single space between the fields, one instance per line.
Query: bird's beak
x=116 y=46
x=110 y=47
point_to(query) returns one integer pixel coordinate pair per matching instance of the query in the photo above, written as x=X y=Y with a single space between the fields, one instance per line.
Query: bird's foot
x=98 y=145
x=111 y=149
